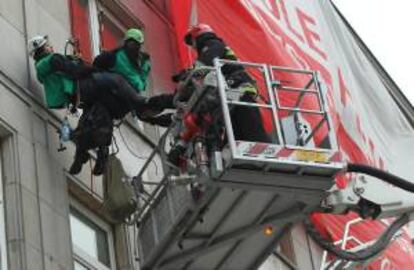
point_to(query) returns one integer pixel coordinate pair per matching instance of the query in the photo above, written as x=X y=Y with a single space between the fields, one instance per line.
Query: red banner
x=309 y=35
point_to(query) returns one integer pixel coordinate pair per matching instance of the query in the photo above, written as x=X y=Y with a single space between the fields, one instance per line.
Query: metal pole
x=292 y=70
x=332 y=137
x=276 y=101
x=318 y=90
x=297 y=110
x=243 y=103
x=267 y=72
x=224 y=105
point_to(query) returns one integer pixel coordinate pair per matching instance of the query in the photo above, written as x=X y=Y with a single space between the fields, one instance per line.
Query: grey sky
x=387 y=29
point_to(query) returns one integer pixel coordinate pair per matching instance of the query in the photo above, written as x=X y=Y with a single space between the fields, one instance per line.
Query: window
x=92 y=241
x=3 y=246
x=106 y=25
x=94 y=28
x=286 y=247
x=80 y=18
x=284 y=254
x=161 y=5
x=111 y=31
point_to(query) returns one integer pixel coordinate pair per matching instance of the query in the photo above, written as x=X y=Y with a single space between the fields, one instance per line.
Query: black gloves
x=74 y=68
x=180 y=76
x=163 y=120
x=161 y=102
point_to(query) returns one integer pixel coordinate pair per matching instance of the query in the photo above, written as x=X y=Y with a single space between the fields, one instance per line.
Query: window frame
x=94 y=26
x=3 y=242
x=78 y=254
x=120 y=16
x=285 y=252
x=102 y=13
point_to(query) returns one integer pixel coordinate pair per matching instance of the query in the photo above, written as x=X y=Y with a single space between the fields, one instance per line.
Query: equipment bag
x=119 y=200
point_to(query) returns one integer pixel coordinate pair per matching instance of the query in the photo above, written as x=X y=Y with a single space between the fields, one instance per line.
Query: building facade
x=48 y=218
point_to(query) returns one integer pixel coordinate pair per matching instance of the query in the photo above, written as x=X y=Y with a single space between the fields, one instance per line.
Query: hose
x=387 y=235
x=361 y=255
x=385 y=176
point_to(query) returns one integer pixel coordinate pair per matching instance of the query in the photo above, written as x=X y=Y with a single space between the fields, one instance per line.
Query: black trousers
x=113 y=92
x=103 y=96
x=247 y=122
x=94 y=130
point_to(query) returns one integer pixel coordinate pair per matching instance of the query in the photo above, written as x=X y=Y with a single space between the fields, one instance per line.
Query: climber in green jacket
x=69 y=81
x=128 y=60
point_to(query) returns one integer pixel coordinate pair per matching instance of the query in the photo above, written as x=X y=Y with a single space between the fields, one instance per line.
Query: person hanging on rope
x=128 y=60
x=103 y=96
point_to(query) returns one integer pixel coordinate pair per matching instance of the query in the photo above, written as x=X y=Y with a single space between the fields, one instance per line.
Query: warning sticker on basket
x=311 y=156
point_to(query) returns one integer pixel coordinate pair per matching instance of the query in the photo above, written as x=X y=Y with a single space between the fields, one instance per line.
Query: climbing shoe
x=101 y=161
x=81 y=157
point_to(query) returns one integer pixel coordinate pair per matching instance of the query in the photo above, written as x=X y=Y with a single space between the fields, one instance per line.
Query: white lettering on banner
x=312 y=38
x=293 y=25
x=280 y=13
x=285 y=15
x=296 y=31
x=405 y=245
x=300 y=62
x=386 y=264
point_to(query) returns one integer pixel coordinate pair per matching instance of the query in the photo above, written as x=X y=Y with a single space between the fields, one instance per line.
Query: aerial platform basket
x=254 y=191
x=304 y=141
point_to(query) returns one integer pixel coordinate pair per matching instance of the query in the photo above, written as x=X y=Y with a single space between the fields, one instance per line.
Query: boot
x=175 y=154
x=81 y=157
x=144 y=109
x=101 y=161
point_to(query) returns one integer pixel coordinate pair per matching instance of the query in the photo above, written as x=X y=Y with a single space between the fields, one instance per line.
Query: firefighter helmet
x=195 y=31
x=36 y=43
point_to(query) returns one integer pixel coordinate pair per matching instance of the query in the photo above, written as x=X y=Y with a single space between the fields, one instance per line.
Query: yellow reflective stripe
x=229 y=54
x=249 y=89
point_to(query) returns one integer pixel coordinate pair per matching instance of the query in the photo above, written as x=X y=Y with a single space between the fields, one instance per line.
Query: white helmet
x=36 y=43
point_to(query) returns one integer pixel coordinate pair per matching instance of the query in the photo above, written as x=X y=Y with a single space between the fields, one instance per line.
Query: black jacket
x=72 y=67
x=209 y=46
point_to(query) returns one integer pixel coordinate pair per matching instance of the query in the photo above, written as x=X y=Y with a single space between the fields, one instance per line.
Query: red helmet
x=195 y=31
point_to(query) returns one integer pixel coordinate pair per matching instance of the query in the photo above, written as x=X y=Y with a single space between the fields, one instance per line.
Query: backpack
x=94 y=128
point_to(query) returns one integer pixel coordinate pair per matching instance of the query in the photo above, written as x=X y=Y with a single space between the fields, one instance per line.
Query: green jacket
x=58 y=86
x=117 y=61
x=137 y=78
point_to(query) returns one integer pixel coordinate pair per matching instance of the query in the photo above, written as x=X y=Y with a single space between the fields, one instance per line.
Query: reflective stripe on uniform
x=248 y=88
x=229 y=54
